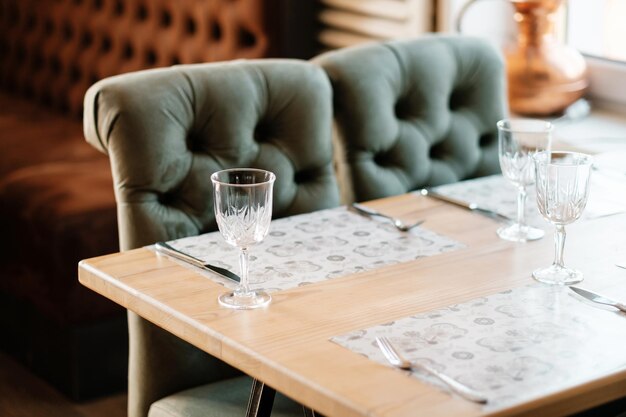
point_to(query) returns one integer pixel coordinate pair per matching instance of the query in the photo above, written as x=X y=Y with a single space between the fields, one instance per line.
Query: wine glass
x=562 y=191
x=243 y=211
x=518 y=141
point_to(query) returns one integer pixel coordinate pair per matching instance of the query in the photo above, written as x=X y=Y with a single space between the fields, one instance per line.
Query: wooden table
x=287 y=345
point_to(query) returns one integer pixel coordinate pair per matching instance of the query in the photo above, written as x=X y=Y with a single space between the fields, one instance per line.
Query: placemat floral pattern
x=606 y=196
x=317 y=246
x=511 y=346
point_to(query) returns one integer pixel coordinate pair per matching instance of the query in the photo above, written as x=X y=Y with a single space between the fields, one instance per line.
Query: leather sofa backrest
x=55 y=49
x=415 y=113
x=167 y=130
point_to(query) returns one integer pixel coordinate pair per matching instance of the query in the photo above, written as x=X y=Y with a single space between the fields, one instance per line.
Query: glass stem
x=244 y=288
x=521 y=206
x=559 y=244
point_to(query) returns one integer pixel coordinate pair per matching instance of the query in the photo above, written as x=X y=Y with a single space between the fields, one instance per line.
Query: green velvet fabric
x=226 y=399
x=415 y=113
x=166 y=131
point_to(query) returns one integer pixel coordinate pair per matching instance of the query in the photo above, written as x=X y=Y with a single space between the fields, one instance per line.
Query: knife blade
x=168 y=250
x=468 y=206
x=597 y=298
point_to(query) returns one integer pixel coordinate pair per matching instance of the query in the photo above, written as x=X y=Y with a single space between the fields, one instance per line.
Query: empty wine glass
x=562 y=191
x=518 y=141
x=243 y=210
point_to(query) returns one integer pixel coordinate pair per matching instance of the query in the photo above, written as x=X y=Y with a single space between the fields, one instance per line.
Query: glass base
x=515 y=233
x=557 y=275
x=241 y=301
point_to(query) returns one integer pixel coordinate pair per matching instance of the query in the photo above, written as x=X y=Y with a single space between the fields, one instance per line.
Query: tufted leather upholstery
x=416 y=113
x=165 y=132
x=64 y=46
x=56 y=193
x=53 y=50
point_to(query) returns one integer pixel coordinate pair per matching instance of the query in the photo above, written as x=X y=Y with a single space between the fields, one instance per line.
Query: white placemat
x=607 y=196
x=317 y=246
x=512 y=346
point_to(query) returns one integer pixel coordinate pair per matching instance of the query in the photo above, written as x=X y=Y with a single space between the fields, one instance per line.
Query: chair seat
x=221 y=399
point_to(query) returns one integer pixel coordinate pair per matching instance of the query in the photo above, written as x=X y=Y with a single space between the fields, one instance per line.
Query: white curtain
x=348 y=22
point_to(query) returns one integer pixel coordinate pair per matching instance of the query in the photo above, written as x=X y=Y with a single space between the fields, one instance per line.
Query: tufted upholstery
x=186 y=122
x=165 y=132
x=416 y=113
x=64 y=46
x=56 y=193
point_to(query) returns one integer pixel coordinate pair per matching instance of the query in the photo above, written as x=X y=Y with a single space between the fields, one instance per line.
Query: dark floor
x=24 y=395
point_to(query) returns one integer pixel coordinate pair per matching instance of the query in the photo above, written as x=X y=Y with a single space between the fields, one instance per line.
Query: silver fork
x=399 y=224
x=396 y=359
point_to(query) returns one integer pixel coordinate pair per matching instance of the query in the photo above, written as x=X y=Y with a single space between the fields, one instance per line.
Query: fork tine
x=395 y=358
x=382 y=345
x=383 y=342
x=385 y=345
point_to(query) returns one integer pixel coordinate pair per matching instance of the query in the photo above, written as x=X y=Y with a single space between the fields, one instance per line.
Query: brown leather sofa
x=56 y=193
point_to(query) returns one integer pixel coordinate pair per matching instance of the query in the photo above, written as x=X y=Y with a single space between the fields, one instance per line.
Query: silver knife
x=597 y=298
x=168 y=250
x=469 y=206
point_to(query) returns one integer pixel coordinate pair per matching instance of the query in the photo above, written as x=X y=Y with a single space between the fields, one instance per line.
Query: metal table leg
x=309 y=412
x=261 y=400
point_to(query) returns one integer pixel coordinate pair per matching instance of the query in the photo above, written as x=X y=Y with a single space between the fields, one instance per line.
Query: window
x=596 y=28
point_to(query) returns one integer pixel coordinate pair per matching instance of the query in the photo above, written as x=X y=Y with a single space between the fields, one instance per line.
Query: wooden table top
x=287 y=344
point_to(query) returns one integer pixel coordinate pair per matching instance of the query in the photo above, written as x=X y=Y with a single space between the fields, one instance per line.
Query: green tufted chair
x=166 y=131
x=416 y=113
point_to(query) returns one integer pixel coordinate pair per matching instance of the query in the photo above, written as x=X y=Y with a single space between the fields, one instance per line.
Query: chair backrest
x=415 y=113
x=167 y=130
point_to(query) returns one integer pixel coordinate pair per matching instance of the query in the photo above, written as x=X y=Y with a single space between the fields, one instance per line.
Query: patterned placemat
x=512 y=346
x=317 y=246
x=607 y=196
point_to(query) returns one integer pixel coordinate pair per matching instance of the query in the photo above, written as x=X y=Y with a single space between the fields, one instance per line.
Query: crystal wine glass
x=518 y=141
x=562 y=191
x=243 y=210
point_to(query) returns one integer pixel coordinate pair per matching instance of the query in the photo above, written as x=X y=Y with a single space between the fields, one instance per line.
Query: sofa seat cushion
x=54 y=215
x=221 y=399
x=32 y=135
